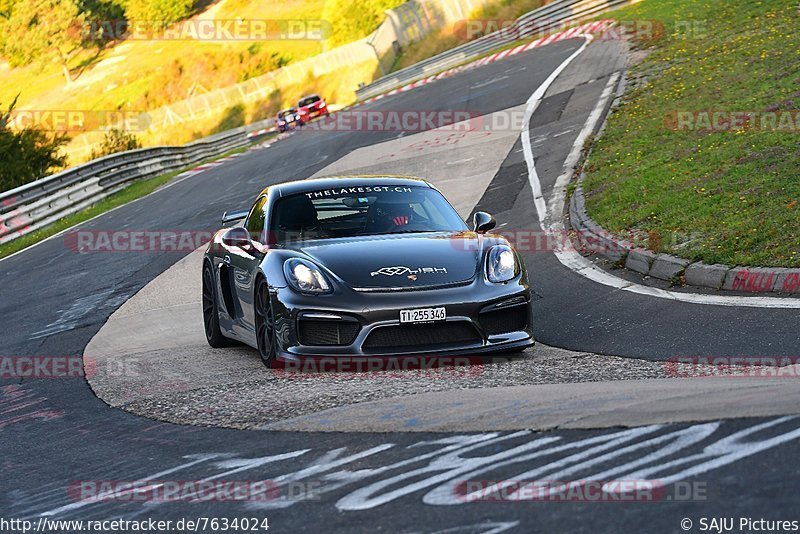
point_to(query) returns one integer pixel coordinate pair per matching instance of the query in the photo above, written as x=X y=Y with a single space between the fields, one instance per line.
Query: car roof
x=314 y=95
x=331 y=182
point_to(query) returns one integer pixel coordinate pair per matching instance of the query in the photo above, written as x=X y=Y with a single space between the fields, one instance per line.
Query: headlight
x=297 y=117
x=501 y=264
x=305 y=277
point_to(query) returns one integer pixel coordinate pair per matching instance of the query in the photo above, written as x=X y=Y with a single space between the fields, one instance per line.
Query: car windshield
x=364 y=210
x=285 y=112
x=308 y=100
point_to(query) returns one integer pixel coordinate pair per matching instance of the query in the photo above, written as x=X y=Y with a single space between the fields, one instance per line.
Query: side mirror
x=482 y=222
x=237 y=237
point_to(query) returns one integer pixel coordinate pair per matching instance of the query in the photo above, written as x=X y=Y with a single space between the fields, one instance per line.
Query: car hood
x=399 y=260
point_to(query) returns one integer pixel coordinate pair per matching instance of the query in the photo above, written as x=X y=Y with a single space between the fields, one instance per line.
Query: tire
x=265 y=324
x=211 y=311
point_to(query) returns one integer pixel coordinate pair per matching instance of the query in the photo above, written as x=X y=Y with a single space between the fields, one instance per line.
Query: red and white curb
x=600 y=26
x=263 y=131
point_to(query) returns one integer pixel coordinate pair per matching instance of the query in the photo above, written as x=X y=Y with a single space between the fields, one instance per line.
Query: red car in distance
x=311 y=107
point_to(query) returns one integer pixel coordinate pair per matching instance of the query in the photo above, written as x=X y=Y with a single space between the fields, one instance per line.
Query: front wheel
x=265 y=324
x=211 y=311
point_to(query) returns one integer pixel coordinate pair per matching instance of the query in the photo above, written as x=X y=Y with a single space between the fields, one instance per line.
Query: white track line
x=531 y=105
x=559 y=194
x=553 y=223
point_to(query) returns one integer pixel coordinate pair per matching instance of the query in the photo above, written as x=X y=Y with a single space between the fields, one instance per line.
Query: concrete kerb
x=594 y=238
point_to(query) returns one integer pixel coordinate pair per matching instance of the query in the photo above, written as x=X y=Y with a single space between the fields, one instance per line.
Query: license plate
x=423 y=315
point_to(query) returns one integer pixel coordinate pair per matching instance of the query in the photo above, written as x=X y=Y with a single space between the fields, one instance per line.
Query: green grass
x=134 y=191
x=722 y=196
x=449 y=37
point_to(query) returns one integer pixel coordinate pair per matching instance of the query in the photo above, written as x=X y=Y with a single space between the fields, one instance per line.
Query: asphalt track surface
x=56 y=432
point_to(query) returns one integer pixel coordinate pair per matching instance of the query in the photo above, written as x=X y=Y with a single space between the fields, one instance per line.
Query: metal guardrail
x=539 y=21
x=37 y=204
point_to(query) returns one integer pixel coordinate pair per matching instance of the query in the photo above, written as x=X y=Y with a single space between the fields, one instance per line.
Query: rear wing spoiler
x=233 y=216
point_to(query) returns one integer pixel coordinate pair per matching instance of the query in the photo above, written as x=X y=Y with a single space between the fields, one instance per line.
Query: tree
x=43 y=31
x=28 y=154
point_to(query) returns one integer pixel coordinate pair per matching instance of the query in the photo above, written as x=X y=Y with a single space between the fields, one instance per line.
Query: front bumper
x=314 y=113
x=466 y=305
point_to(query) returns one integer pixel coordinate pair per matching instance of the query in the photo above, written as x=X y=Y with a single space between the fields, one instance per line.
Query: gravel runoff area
x=273 y=396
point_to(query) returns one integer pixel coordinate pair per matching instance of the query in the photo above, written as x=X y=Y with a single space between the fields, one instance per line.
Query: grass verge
x=721 y=195
x=494 y=15
x=134 y=191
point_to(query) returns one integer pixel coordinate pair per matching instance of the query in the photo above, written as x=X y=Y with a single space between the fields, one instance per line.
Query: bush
x=161 y=11
x=28 y=154
x=115 y=141
x=353 y=19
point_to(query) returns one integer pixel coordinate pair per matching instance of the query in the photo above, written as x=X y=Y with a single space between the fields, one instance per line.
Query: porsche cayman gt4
x=363 y=266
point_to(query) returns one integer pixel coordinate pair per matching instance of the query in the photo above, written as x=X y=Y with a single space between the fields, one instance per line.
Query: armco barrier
x=37 y=204
x=548 y=18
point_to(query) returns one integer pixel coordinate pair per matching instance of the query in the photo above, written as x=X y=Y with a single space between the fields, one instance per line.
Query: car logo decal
x=400 y=269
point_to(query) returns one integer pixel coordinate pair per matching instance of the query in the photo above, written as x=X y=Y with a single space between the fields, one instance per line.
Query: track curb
x=596 y=240
x=678 y=271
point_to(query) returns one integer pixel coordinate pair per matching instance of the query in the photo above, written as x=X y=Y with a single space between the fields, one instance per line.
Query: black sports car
x=363 y=266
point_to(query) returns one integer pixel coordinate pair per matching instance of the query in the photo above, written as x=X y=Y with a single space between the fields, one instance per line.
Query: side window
x=255 y=220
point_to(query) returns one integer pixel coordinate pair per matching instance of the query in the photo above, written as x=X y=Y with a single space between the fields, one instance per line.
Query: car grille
x=444 y=333
x=327 y=332
x=505 y=320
